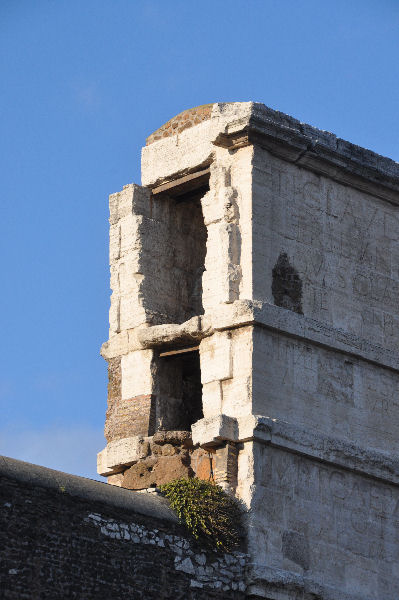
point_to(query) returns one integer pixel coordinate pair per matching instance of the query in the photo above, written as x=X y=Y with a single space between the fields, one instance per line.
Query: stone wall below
x=63 y=536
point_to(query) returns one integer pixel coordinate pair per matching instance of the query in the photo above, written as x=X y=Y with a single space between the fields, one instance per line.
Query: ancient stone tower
x=254 y=330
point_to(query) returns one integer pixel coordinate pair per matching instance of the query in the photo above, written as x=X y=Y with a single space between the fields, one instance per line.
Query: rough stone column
x=129 y=214
x=227 y=214
x=131 y=403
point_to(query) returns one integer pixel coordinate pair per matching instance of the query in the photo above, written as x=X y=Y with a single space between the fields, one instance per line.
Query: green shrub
x=212 y=516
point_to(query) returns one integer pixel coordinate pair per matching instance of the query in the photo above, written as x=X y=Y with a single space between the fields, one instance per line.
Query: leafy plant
x=211 y=515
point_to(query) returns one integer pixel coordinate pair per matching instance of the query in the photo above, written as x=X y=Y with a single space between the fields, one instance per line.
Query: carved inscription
x=326 y=391
x=345 y=244
x=343 y=517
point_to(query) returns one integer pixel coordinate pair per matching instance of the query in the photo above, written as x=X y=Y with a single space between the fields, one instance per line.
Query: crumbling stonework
x=184 y=120
x=254 y=311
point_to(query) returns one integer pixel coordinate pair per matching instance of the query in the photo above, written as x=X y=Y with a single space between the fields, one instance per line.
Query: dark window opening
x=177 y=205
x=179 y=401
x=189 y=214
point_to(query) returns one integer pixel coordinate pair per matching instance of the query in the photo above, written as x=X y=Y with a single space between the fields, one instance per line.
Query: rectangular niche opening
x=179 y=400
x=183 y=261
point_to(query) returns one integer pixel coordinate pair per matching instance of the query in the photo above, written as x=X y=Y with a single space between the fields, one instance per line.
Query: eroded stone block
x=216 y=359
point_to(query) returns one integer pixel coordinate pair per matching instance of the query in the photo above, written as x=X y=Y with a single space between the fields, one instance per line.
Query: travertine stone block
x=185 y=151
x=133 y=199
x=216 y=358
x=325 y=390
x=342 y=242
x=125 y=451
x=102 y=466
x=237 y=390
x=227 y=215
x=137 y=373
x=326 y=528
x=212 y=431
x=212 y=398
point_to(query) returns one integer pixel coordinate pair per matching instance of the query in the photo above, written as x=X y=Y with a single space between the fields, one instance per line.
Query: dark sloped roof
x=87 y=489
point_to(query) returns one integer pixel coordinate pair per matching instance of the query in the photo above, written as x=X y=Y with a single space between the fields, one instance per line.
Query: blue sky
x=82 y=84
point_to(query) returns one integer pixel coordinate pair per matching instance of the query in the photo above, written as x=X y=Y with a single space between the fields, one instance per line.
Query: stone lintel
x=189 y=332
x=242 y=313
x=181 y=186
x=220 y=429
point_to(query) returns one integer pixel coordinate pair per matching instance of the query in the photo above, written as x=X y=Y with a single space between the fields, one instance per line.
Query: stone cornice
x=241 y=314
x=336 y=451
x=287 y=322
x=316 y=150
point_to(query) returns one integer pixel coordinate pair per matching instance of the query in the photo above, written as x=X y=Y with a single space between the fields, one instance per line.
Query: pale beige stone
x=212 y=398
x=102 y=464
x=125 y=451
x=137 y=373
x=212 y=431
x=216 y=358
x=285 y=274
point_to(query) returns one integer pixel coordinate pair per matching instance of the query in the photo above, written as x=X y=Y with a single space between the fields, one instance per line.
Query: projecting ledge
x=119 y=454
x=275 y=318
x=249 y=312
x=217 y=430
x=314 y=149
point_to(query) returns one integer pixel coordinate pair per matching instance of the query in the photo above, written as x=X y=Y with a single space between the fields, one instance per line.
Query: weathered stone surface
x=140 y=464
x=102 y=465
x=121 y=453
x=325 y=391
x=131 y=417
x=215 y=430
x=177 y=438
x=282 y=269
x=332 y=528
x=341 y=242
x=157 y=470
x=116 y=479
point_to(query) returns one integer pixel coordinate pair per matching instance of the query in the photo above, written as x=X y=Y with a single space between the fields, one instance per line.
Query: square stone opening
x=179 y=399
x=184 y=249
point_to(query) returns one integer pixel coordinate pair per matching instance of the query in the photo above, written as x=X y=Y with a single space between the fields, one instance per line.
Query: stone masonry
x=254 y=331
x=63 y=536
